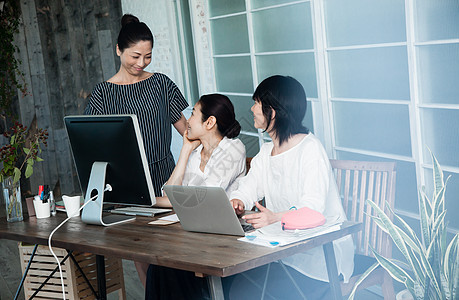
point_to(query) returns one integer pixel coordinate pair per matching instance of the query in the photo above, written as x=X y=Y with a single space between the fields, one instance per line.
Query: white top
x=300 y=177
x=225 y=166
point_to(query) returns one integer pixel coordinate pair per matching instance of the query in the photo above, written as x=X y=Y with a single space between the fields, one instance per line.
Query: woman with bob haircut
x=292 y=171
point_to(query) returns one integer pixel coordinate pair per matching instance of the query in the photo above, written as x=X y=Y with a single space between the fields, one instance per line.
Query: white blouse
x=225 y=166
x=300 y=177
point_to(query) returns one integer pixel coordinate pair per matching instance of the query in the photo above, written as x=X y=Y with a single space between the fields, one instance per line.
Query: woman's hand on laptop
x=263 y=218
x=238 y=206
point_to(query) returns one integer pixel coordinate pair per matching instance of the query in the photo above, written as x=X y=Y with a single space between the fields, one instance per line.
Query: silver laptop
x=204 y=209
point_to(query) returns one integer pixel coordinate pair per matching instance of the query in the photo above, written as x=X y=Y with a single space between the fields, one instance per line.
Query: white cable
x=107 y=188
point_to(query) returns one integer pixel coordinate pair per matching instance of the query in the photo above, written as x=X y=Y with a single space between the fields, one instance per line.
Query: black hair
x=133 y=31
x=286 y=96
x=222 y=109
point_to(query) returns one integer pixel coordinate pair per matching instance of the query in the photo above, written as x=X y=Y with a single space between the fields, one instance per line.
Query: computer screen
x=108 y=149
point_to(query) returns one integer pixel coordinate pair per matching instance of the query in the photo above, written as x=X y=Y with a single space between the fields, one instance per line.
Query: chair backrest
x=248 y=160
x=361 y=180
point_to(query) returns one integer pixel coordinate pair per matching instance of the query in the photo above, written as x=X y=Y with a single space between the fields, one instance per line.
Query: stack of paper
x=273 y=235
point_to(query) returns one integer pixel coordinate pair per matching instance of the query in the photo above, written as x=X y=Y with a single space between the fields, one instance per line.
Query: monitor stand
x=92 y=212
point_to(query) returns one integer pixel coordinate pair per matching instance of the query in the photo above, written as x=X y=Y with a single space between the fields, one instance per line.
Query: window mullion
x=253 y=60
x=323 y=78
x=414 y=110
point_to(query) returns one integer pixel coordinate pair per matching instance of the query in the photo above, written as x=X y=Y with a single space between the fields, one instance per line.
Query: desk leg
x=215 y=287
x=100 y=263
x=332 y=271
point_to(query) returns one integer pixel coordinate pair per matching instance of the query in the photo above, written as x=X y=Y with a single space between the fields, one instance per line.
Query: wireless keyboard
x=139 y=211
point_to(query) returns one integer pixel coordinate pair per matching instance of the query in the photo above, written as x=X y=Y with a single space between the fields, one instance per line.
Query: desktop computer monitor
x=108 y=149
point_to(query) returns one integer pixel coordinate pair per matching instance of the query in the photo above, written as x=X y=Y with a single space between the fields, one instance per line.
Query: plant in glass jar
x=22 y=152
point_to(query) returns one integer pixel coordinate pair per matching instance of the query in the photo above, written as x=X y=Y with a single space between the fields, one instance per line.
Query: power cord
x=107 y=188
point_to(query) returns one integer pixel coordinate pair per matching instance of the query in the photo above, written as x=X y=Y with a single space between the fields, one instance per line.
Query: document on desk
x=165 y=220
x=273 y=235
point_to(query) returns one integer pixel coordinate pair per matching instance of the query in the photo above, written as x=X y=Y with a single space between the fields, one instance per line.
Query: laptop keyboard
x=247 y=227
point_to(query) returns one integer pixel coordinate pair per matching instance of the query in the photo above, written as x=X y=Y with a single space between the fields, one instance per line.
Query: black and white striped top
x=158 y=103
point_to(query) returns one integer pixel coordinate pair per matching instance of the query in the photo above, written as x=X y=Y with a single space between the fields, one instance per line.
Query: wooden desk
x=170 y=246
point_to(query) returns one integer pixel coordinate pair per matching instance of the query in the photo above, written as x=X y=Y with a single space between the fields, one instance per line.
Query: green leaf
x=430 y=273
x=26 y=150
x=362 y=278
x=39 y=159
x=30 y=161
x=17 y=175
x=416 y=267
x=424 y=218
x=393 y=232
x=406 y=228
x=395 y=271
x=408 y=240
x=439 y=201
x=451 y=265
x=379 y=223
x=437 y=174
x=444 y=284
x=28 y=171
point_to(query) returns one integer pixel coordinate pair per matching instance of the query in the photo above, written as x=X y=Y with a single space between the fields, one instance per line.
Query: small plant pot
x=404 y=295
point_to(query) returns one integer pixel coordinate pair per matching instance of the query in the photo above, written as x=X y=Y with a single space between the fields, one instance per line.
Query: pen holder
x=42 y=209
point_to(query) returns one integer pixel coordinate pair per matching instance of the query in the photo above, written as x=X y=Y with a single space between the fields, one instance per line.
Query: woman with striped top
x=153 y=97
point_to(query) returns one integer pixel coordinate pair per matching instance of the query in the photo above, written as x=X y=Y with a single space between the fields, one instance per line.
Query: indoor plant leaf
x=28 y=171
x=362 y=278
x=17 y=175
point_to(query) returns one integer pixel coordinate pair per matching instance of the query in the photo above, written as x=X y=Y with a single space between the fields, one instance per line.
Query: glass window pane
x=452 y=190
x=300 y=66
x=265 y=3
x=406 y=194
x=242 y=105
x=252 y=145
x=224 y=7
x=234 y=74
x=440 y=134
x=439 y=73
x=374 y=127
x=437 y=20
x=308 y=120
x=357 y=22
x=229 y=35
x=375 y=73
x=283 y=28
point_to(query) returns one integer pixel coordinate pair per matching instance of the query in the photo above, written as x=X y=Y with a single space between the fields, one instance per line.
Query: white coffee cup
x=72 y=205
x=42 y=209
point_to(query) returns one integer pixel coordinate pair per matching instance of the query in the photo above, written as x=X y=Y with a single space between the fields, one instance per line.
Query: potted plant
x=22 y=152
x=11 y=77
x=433 y=264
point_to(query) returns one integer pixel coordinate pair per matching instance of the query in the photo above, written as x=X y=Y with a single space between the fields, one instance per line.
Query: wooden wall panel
x=67 y=47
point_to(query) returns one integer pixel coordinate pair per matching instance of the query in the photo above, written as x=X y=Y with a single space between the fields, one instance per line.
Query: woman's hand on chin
x=190 y=144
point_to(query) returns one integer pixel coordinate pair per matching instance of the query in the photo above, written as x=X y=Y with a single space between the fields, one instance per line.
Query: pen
x=40 y=192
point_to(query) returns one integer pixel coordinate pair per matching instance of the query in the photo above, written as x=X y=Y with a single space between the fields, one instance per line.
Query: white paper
x=273 y=235
x=171 y=218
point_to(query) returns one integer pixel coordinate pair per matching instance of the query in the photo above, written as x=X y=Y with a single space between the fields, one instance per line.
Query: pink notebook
x=302 y=218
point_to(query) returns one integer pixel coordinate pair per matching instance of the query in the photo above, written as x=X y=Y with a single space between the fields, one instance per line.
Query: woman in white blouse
x=291 y=171
x=210 y=155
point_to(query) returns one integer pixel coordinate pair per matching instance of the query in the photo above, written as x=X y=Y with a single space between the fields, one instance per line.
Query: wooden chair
x=358 y=181
x=248 y=160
